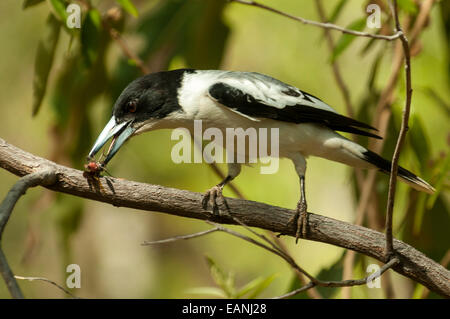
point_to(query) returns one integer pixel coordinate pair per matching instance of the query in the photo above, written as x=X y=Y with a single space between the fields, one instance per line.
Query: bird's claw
x=211 y=196
x=301 y=219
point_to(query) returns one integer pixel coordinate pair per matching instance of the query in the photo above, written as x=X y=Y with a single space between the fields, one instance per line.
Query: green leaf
x=90 y=36
x=346 y=39
x=209 y=291
x=255 y=287
x=59 y=8
x=30 y=3
x=337 y=11
x=224 y=280
x=128 y=6
x=44 y=60
x=407 y=6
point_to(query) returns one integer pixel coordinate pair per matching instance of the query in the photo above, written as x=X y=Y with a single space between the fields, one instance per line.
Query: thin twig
x=270 y=249
x=319 y=24
x=306 y=287
x=344 y=283
x=275 y=250
x=365 y=190
x=336 y=70
x=182 y=237
x=313 y=293
x=381 y=122
x=50 y=282
x=41 y=177
x=267 y=240
x=115 y=35
x=401 y=137
x=314 y=281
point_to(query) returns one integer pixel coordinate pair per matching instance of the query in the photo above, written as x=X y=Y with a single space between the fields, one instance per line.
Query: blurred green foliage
x=226 y=285
x=78 y=74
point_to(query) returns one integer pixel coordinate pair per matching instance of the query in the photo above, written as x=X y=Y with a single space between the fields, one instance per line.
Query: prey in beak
x=119 y=132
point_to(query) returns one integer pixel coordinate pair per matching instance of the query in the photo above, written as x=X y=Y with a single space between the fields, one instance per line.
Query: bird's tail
x=403 y=174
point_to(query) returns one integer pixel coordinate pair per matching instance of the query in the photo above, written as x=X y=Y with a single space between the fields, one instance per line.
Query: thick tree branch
x=119 y=192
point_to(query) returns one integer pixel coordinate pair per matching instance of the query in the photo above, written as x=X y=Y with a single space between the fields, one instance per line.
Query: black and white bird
x=226 y=99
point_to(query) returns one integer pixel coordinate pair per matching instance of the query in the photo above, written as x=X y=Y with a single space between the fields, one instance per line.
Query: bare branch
x=46 y=176
x=50 y=282
x=182 y=237
x=401 y=136
x=319 y=24
x=42 y=177
x=277 y=251
x=344 y=283
x=8 y=277
x=120 y=192
x=306 y=287
x=115 y=35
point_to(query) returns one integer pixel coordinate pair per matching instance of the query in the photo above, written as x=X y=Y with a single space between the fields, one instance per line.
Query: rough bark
x=120 y=192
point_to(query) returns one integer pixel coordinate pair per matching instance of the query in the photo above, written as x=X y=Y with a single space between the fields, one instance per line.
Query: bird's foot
x=301 y=219
x=216 y=200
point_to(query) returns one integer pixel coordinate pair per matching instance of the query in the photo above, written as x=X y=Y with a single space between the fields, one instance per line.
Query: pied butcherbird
x=227 y=99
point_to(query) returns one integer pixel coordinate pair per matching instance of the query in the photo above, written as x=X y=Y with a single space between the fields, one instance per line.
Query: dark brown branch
x=45 y=176
x=118 y=192
x=401 y=136
x=319 y=24
x=8 y=277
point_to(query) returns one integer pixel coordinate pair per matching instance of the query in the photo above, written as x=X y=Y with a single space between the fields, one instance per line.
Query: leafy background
x=69 y=78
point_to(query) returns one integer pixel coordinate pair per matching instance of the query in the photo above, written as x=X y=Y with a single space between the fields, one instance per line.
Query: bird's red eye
x=131 y=106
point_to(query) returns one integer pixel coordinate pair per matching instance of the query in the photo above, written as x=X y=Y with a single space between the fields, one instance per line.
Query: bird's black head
x=140 y=107
x=152 y=96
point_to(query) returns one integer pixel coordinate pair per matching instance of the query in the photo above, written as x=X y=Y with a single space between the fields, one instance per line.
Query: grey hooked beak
x=120 y=131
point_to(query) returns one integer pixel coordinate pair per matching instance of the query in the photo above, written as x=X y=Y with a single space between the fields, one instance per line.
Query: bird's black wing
x=282 y=103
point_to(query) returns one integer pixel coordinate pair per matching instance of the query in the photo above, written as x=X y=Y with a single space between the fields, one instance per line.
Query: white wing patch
x=270 y=91
x=263 y=88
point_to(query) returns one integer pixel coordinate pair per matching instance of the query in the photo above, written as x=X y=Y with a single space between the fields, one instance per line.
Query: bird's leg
x=301 y=215
x=302 y=221
x=213 y=194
